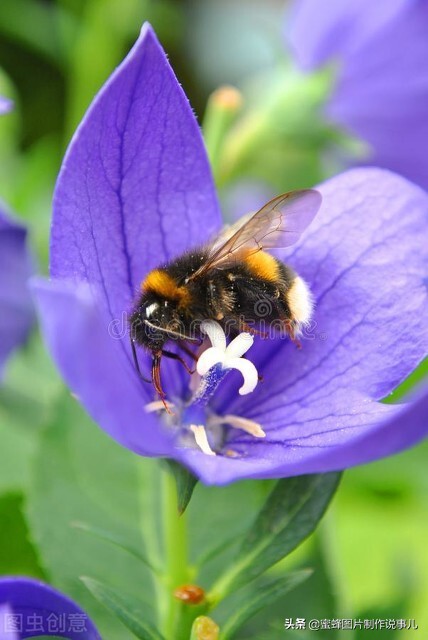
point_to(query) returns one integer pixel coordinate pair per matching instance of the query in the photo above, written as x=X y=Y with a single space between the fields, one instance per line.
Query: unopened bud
x=204 y=628
x=227 y=97
x=190 y=594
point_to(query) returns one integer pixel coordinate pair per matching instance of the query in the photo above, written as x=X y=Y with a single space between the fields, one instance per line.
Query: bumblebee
x=233 y=280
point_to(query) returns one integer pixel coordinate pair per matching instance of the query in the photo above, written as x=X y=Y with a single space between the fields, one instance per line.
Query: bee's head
x=152 y=321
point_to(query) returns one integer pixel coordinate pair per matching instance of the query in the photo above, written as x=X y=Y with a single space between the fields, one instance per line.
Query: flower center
x=198 y=425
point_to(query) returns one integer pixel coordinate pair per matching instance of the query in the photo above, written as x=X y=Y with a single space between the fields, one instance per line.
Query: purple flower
x=382 y=84
x=5 y=105
x=16 y=311
x=134 y=191
x=30 y=608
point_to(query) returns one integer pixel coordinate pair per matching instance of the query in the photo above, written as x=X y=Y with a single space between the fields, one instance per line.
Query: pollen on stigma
x=197 y=424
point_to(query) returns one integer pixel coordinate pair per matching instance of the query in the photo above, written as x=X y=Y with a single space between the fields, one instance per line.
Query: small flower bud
x=228 y=98
x=190 y=594
x=204 y=628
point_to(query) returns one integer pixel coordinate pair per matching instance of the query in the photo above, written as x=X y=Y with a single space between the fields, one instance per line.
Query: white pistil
x=212 y=366
x=201 y=439
x=229 y=357
x=251 y=427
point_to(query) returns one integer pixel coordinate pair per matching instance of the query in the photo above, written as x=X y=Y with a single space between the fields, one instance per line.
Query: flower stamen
x=158 y=405
x=202 y=439
x=237 y=422
x=212 y=366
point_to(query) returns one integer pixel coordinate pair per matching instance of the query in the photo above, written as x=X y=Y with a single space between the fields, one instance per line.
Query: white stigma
x=228 y=356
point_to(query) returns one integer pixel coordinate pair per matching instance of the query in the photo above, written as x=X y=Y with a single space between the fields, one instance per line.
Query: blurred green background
x=56 y=467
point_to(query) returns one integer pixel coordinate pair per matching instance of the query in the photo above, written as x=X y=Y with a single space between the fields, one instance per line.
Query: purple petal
x=338 y=28
x=365 y=259
x=135 y=188
x=16 y=311
x=381 y=89
x=96 y=367
x=30 y=608
x=354 y=431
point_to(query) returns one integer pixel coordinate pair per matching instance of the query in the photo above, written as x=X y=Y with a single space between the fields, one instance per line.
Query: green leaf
x=16 y=450
x=216 y=551
x=316 y=597
x=117 y=540
x=411 y=382
x=18 y=556
x=260 y=599
x=31 y=187
x=82 y=475
x=25 y=405
x=216 y=515
x=43 y=35
x=290 y=514
x=127 y=609
x=389 y=611
x=185 y=482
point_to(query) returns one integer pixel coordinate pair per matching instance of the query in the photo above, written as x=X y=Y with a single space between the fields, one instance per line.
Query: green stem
x=175 y=549
x=148 y=475
x=222 y=109
x=293 y=100
x=328 y=544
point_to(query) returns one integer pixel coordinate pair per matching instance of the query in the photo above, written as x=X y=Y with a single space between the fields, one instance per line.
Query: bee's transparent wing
x=279 y=223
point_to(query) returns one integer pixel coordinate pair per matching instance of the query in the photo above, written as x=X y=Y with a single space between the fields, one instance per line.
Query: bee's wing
x=279 y=223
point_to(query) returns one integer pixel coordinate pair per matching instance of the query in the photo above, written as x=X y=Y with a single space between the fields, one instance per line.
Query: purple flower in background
x=16 y=310
x=6 y=105
x=136 y=190
x=381 y=90
x=29 y=608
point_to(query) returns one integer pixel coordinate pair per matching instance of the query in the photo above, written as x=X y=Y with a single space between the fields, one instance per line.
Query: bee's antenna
x=135 y=358
x=175 y=356
x=189 y=352
x=170 y=332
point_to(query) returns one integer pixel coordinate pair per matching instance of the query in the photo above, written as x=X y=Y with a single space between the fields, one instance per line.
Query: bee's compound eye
x=151 y=309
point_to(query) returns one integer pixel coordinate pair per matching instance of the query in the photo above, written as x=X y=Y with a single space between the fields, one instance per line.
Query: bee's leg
x=243 y=326
x=136 y=363
x=157 y=380
x=291 y=330
x=188 y=350
x=175 y=356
